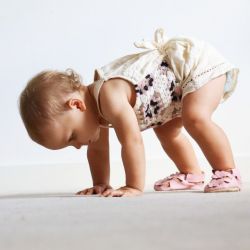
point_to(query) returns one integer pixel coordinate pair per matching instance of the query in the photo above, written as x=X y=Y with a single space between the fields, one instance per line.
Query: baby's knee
x=195 y=120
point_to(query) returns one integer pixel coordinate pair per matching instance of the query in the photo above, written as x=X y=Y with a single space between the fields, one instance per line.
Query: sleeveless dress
x=164 y=74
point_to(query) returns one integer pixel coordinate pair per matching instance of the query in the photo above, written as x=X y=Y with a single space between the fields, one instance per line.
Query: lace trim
x=201 y=74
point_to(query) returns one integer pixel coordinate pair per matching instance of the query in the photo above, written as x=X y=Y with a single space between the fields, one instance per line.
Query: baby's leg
x=198 y=108
x=177 y=146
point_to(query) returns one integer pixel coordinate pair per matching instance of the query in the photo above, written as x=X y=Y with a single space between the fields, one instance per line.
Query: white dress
x=164 y=74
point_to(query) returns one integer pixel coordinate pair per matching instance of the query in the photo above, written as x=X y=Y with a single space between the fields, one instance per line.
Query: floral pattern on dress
x=158 y=98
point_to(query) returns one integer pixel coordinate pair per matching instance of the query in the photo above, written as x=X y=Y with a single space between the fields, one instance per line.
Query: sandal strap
x=180 y=181
x=221 y=177
x=196 y=177
x=186 y=179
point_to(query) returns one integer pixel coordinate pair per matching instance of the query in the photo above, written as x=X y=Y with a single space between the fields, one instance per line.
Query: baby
x=175 y=83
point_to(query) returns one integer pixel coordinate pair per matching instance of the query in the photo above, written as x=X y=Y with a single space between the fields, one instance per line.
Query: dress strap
x=96 y=92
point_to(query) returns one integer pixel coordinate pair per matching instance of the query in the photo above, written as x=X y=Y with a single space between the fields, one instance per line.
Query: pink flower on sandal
x=224 y=181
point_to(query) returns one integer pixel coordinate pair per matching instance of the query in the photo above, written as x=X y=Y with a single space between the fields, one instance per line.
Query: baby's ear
x=76 y=104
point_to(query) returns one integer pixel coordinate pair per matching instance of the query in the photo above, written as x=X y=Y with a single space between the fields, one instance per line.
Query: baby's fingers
x=88 y=191
x=108 y=192
x=118 y=193
x=112 y=193
x=98 y=189
x=82 y=192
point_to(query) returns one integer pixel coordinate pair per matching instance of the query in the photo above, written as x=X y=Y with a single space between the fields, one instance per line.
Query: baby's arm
x=98 y=158
x=132 y=151
x=119 y=112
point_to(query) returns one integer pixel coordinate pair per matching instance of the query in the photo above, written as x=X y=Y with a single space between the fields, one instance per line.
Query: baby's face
x=74 y=127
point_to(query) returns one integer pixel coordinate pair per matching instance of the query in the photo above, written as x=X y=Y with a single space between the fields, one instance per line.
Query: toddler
x=173 y=84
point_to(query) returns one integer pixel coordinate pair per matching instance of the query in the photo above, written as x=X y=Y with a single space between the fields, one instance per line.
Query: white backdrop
x=58 y=34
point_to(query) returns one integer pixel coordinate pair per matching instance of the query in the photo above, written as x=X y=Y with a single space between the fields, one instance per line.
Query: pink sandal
x=224 y=181
x=179 y=181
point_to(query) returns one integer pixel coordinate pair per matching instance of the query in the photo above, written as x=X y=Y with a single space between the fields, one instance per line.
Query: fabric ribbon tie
x=159 y=40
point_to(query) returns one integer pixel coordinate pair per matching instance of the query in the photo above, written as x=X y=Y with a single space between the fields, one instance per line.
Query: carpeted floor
x=180 y=220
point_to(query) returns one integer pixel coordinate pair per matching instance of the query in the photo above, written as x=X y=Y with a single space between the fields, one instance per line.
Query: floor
x=156 y=220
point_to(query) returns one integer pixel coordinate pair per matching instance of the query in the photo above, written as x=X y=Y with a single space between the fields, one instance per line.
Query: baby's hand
x=122 y=192
x=97 y=189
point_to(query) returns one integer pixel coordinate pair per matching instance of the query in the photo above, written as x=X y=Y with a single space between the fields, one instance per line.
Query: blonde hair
x=44 y=97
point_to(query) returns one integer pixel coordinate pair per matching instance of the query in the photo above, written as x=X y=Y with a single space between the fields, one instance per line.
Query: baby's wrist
x=101 y=184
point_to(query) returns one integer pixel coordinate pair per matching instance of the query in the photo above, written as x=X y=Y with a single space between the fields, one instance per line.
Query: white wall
x=58 y=34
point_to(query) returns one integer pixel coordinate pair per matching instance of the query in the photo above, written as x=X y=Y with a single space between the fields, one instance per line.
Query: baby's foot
x=179 y=181
x=224 y=181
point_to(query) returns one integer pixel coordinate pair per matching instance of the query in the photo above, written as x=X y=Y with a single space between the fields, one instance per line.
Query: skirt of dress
x=160 y=95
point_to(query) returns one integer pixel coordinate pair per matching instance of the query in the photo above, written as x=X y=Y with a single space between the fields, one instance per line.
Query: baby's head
x=58 y=110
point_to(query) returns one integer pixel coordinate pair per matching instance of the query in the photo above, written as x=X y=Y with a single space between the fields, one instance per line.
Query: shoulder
x=117 y=109
x=114 y=94
x=114 y=86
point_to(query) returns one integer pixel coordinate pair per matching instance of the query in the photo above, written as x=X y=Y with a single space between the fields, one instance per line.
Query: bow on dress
x=159 y=40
